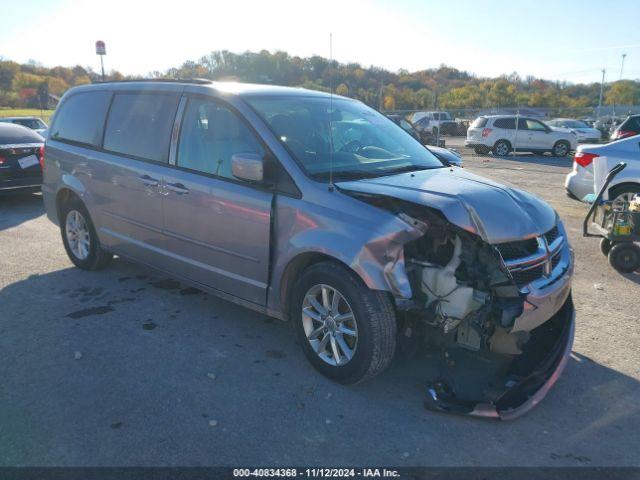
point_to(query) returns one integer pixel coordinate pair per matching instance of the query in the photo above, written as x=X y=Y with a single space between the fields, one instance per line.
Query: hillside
x=28 y=85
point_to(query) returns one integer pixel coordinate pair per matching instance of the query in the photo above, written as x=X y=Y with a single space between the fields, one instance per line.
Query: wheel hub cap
x=77 y=234
x=329 y=324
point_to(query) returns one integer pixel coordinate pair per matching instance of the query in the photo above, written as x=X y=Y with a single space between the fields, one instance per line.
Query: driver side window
x=210 y=135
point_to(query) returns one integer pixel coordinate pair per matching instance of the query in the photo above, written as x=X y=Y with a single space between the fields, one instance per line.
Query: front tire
x=561 y=149
x=625 y=257
x=79 y=237
x=347 y=331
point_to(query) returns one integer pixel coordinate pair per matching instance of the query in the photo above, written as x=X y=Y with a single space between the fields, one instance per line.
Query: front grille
x=515 y=253
x=552 y=234
x=525 y=277
x=518 y=249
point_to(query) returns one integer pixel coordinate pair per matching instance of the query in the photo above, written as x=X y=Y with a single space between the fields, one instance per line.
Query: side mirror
x=248 y=166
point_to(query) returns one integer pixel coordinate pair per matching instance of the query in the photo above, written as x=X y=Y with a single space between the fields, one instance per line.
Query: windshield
x=344 y=135
x=574 y=124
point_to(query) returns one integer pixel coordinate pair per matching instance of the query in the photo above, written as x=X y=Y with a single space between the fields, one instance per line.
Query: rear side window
x=81 y=118
x=508 y=123
x=632 y=123
x=140 y=125
x=479 y=122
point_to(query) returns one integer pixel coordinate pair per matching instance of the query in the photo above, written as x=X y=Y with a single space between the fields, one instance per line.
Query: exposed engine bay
x=466 y=302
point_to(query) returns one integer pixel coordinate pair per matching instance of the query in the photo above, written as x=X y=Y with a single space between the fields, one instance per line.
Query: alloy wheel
x=77 y=233
x=329 y=325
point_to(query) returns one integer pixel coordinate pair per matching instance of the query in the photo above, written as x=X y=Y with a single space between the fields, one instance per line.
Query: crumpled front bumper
x=529 y=377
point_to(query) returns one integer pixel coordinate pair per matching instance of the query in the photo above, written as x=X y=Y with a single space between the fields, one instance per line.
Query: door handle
x=148 y=181
x=178 y=188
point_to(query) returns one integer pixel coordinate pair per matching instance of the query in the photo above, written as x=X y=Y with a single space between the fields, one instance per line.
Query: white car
x=624 y=186
x=498 y=133
x=34 y=123
x=583 y=132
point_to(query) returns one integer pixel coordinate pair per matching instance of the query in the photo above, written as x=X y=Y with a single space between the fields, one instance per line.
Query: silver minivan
x=316 y=209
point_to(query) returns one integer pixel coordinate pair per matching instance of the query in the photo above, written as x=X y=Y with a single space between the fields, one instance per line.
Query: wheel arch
x=623 y=185
x=63 y=196
x=293 y=270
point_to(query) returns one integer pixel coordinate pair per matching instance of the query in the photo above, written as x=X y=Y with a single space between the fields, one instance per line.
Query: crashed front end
x=498 y=318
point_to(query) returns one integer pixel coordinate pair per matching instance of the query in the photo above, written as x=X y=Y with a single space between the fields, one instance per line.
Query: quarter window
x=210 y=135
x=508 y=123
x=140 y=125
x=81 y=118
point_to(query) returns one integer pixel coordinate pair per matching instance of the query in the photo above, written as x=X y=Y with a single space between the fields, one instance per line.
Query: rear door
x=128 y=175
x=217 y=227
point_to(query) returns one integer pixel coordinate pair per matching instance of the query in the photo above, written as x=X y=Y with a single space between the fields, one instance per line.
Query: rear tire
x=372 y=320
x=625 y=257
x=79 y=237
x=623 y=193
x=480 y=150
x=561 y=149
x=605 y=246
x=501 y=148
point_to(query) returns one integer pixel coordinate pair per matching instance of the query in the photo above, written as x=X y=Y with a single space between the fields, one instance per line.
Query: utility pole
x=600 y=99
x=624 y=55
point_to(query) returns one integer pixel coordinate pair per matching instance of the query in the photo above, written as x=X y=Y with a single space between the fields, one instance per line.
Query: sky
x=570 y=40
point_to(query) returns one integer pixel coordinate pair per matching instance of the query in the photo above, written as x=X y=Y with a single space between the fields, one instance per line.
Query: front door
x=539 y=137
x=217 y=227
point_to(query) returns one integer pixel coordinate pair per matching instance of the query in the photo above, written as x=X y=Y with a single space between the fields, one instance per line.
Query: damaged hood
x=495 y=212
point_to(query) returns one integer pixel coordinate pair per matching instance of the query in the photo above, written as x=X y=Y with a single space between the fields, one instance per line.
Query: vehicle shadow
x=145 y=343
x=19 y=208
x=547 y=160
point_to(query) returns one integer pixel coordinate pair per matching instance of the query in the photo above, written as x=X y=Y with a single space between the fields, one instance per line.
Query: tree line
x=443 y=87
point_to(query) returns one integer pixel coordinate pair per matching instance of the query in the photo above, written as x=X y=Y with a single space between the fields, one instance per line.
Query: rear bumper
x=474 y=143
x=578 y=186
x=20 y=185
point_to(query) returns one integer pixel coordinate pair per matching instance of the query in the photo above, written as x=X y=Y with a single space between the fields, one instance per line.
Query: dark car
x=628 y=128
x=21 y=157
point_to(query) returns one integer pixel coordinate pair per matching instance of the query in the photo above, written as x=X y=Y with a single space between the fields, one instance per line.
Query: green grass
x=26 y=112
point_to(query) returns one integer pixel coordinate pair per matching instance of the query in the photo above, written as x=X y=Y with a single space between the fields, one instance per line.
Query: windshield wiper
x=407 y=168
x=346 y=175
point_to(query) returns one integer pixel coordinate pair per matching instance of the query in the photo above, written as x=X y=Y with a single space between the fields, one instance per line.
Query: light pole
x=624 y=55
x=600 y=99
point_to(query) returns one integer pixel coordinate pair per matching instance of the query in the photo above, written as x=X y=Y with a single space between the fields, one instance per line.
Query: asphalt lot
x=125 y=367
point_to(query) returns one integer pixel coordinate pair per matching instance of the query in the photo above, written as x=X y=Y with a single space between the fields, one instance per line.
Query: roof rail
x=198 y=81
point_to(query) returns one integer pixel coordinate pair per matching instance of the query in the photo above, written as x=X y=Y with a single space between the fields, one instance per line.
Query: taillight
x=486 y=132
x=584 y=159
x=2 y=159
x=40 y=155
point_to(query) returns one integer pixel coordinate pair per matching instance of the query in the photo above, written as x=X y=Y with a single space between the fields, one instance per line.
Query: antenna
x=330 y=112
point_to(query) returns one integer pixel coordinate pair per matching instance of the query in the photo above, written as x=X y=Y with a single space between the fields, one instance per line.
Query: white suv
x=498 y=133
